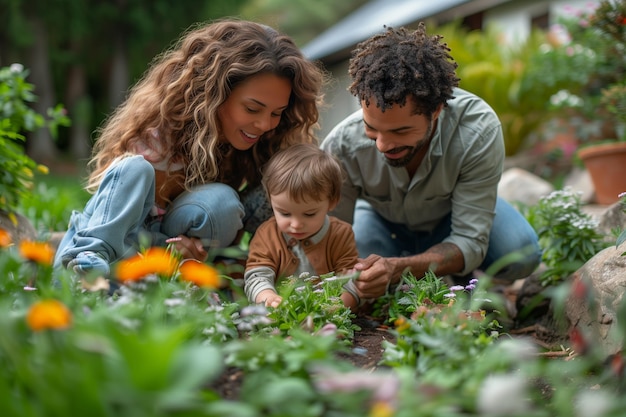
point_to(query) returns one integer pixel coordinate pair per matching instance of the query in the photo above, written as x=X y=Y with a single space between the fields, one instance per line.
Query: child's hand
x=269 y=298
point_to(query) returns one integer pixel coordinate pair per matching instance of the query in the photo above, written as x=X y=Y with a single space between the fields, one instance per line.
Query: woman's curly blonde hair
x=179 y=95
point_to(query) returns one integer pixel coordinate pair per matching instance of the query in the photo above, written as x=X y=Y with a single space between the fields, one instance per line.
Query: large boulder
x=597 y=293
x=520 y=186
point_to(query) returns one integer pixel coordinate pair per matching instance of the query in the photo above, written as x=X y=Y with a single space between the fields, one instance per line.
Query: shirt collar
x=313 y=240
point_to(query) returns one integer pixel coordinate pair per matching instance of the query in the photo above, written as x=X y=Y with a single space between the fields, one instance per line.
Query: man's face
x=399 y=133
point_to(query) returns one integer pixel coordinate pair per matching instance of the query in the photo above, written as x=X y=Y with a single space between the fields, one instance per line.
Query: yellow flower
x=48 y=314
x=199 y=273
x=5 y=238
x=154 y=261
x=43 y=169
x=40 y=252
x=381 y=409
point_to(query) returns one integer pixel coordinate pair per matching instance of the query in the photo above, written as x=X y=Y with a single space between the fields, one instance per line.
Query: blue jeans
x=510 y=234
x=117 y=217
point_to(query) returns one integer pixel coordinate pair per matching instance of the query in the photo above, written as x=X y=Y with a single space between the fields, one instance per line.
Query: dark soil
x=366 y=352
x=367 y=346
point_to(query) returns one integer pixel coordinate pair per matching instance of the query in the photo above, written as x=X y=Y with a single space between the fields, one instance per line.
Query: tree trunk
x=79 y=105
x=40 y=145
x=119 y=77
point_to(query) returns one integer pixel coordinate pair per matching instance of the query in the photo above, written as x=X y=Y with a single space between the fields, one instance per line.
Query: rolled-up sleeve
x=474 y=197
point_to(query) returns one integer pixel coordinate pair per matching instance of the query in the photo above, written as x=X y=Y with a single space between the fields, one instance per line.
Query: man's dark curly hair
x=391 y=66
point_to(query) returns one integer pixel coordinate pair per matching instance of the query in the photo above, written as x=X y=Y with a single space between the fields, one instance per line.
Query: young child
x=303 y=184
x=178 y=161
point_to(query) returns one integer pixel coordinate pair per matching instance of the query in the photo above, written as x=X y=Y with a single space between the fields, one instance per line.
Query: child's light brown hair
x=305 y=172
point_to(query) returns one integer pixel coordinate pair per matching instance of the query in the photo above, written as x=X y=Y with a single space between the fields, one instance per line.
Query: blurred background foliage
x=85 y=54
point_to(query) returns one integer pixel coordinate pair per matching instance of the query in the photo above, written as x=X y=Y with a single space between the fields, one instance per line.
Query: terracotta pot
x=606 y=164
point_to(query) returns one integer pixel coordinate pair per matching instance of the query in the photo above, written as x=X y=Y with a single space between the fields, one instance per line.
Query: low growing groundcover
x=183 y=341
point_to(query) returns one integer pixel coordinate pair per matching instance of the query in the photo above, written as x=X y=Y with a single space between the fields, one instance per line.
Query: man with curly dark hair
x=423 y=159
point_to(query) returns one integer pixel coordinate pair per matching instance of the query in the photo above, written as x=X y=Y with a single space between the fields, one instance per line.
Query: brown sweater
x=335 y=251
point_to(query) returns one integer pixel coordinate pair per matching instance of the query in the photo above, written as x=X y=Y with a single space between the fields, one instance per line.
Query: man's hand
x=376 y=274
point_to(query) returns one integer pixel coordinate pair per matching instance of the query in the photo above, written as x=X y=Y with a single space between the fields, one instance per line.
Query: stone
x=520 y=186
x=579 y=180
x=593 y=304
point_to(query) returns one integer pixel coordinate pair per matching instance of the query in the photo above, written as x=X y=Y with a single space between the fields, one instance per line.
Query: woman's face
x=253 y=108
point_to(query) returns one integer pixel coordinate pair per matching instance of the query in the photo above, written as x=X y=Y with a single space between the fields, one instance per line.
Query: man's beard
x=414 y=150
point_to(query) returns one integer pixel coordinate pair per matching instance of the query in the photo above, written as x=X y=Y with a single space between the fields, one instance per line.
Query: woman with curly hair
x=423 y=159
x=179 y=161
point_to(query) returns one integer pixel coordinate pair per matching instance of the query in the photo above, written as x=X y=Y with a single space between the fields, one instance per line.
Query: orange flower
x=199 y=273
x=40 y=252
x=48 y=314
x=154 y=261
x=401 y=324
x=5 y=238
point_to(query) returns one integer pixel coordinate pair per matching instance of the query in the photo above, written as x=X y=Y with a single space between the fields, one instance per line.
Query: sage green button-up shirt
x=459 y=174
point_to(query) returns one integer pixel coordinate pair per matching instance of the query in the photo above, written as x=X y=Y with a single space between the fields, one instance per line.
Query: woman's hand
x=189 y=247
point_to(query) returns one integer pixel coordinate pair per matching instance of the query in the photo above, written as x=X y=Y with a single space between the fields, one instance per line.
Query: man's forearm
x=442 y=259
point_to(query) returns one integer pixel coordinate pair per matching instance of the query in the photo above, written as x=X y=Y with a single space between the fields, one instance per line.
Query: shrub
x=16 y=117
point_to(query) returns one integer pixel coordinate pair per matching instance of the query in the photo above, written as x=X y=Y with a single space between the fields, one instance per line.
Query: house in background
x=333 y=47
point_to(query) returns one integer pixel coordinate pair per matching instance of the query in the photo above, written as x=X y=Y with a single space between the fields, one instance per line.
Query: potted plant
x=605 y=160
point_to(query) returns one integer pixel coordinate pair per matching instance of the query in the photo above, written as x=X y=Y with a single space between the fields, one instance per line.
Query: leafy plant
x=449 y=334
x=312 y=302
x=614 y=100
x=16 y=118
x=411 y=293
x=567 y=235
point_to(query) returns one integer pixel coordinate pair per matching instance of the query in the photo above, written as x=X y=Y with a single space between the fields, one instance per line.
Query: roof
x=371 y=19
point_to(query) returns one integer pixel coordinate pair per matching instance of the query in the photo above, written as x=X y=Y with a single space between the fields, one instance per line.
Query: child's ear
x=332 y=205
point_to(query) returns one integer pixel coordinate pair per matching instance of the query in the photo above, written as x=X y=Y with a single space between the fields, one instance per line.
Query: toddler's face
x=299 y=220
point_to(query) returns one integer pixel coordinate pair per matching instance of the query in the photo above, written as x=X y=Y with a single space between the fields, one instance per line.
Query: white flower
x=16 y=67
x=502 y=395
x=594 y=403
x=174 y=302
x=518 y=349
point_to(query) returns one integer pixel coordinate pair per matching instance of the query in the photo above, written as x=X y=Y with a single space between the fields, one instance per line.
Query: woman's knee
x=210 y=211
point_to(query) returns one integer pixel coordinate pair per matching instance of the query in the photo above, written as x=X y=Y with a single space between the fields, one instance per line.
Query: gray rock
x=520 y=186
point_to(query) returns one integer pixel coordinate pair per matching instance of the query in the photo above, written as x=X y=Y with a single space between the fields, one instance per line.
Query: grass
x=52 y=200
